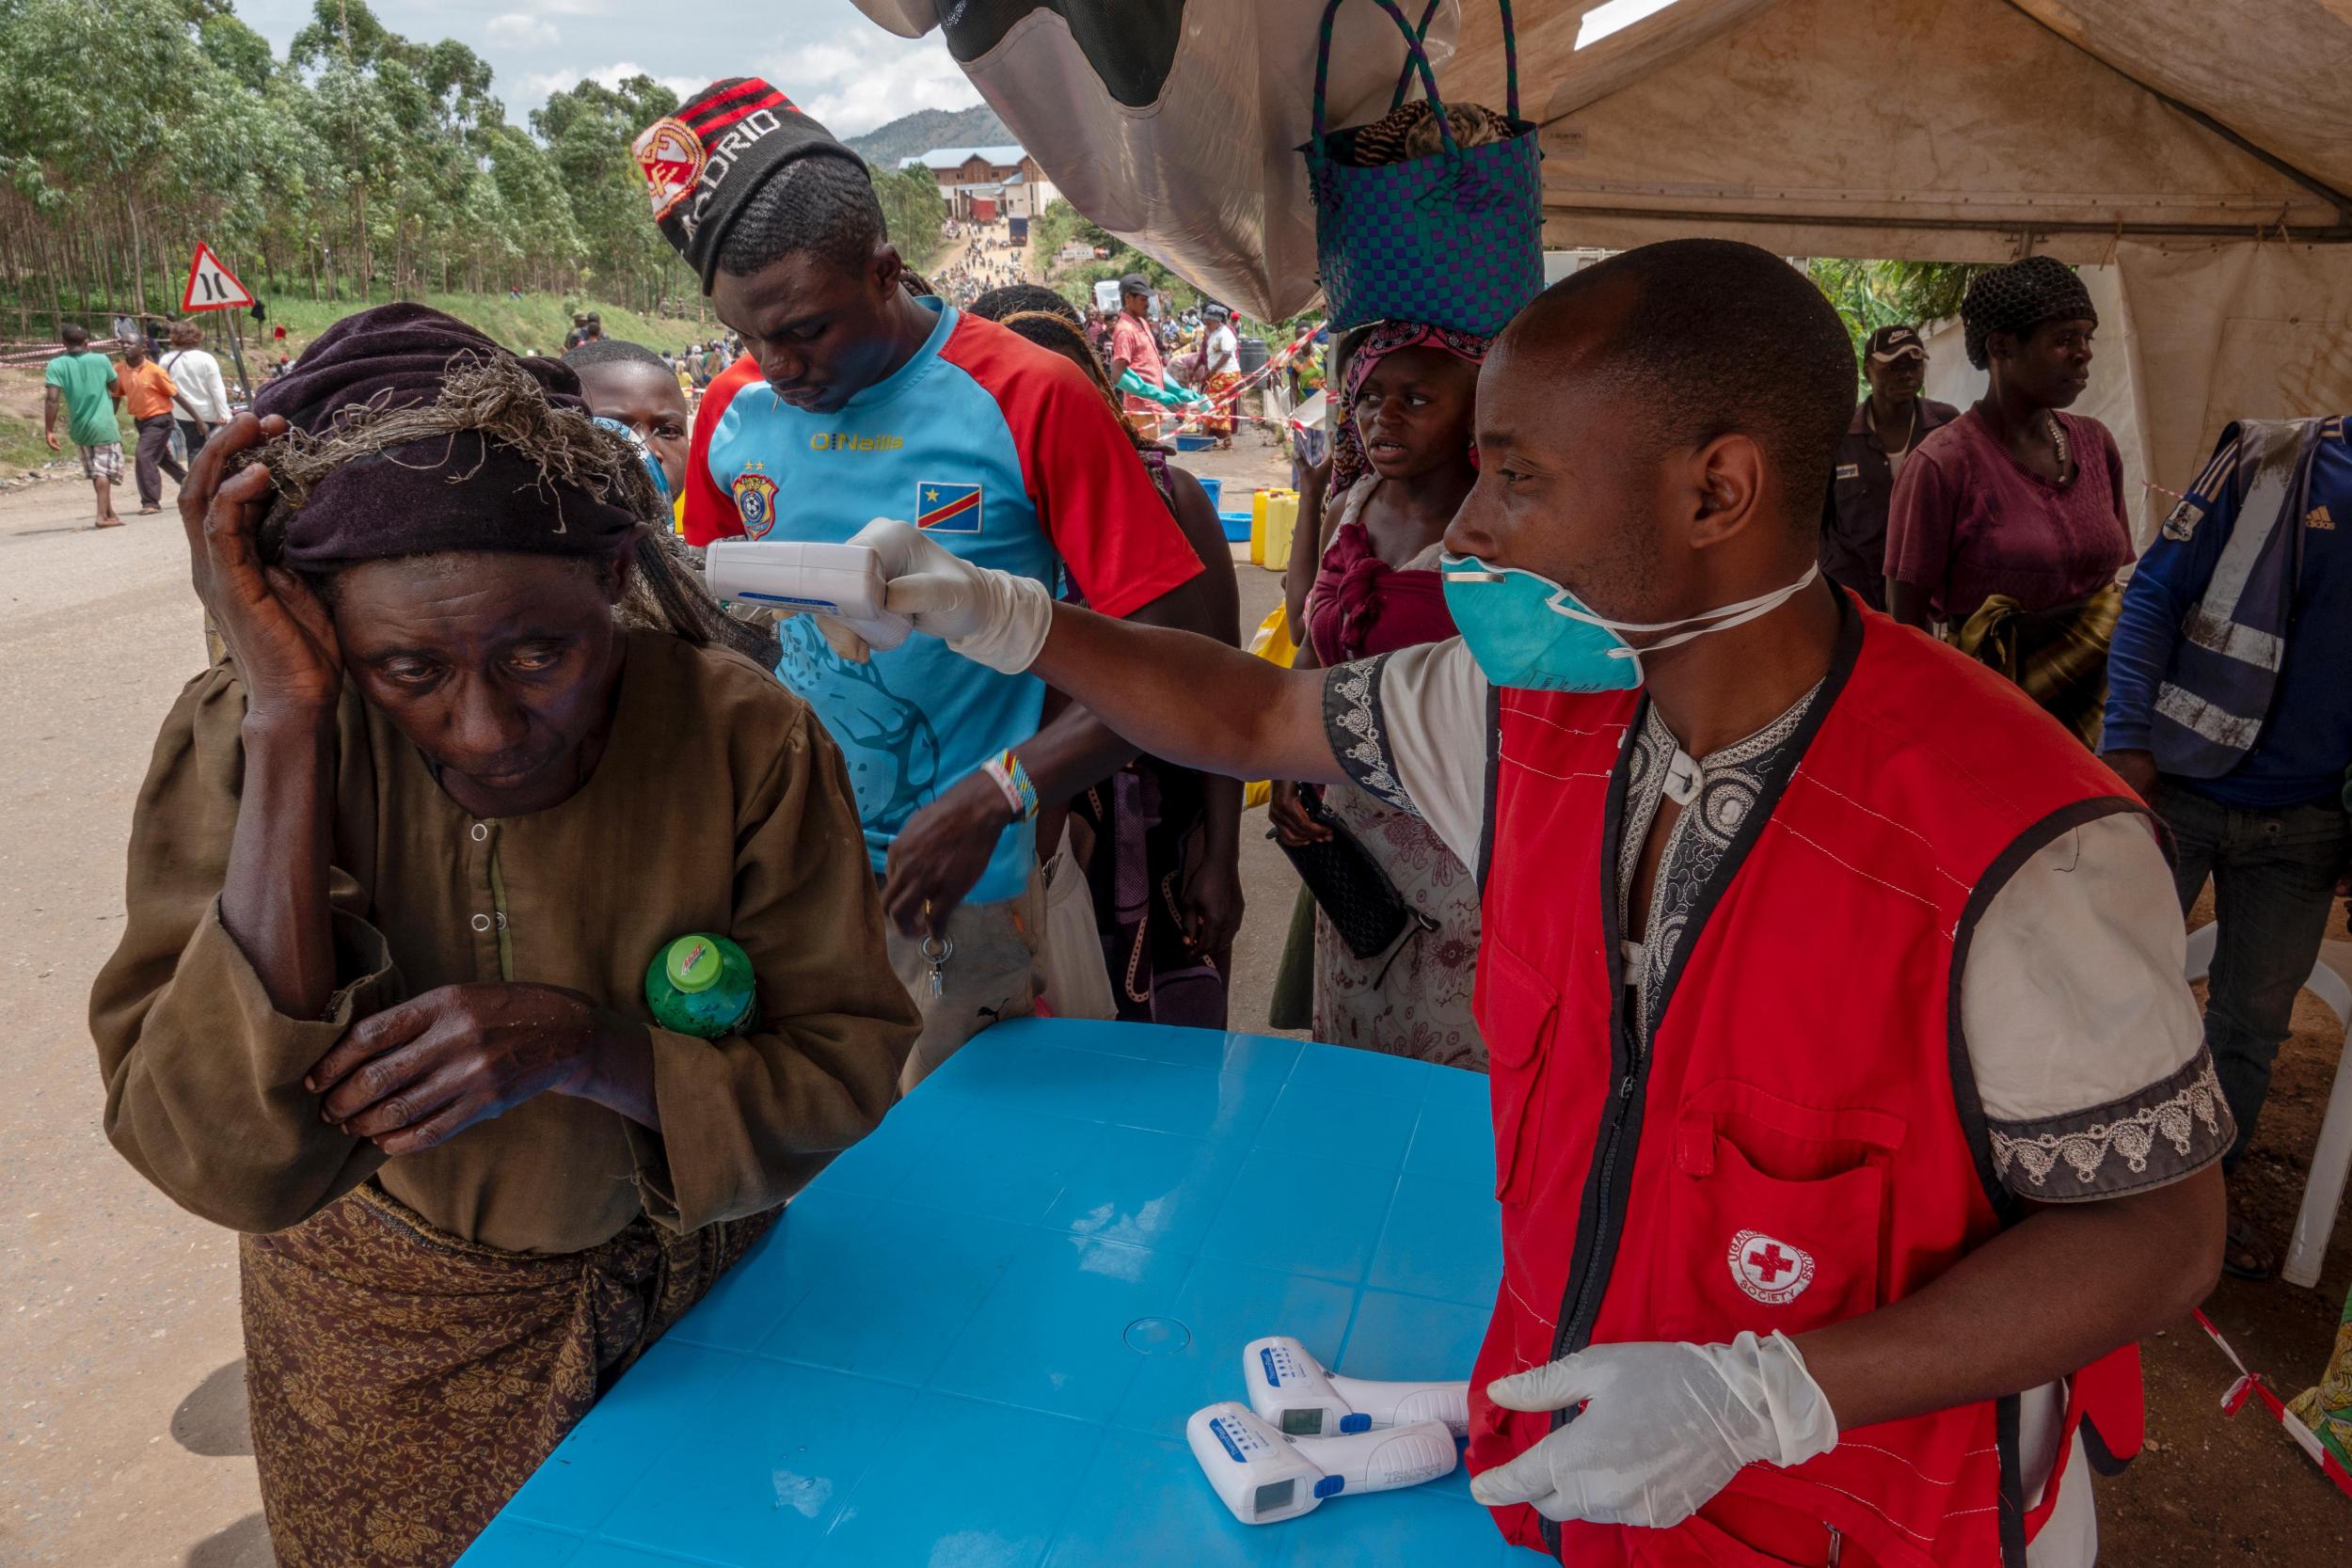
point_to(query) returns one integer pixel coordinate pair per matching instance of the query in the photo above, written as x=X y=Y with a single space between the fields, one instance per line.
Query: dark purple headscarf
x=484 y=482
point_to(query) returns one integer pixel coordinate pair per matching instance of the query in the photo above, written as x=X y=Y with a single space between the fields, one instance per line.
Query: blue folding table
x=973 y=1341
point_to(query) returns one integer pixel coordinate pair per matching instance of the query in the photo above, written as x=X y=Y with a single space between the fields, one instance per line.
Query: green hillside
x=925 y=129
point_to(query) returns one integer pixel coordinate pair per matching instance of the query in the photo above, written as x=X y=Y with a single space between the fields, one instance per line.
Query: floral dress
x=1413 y=1000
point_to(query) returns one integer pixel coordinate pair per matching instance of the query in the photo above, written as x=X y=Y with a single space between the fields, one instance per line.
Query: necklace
x=2058 y=440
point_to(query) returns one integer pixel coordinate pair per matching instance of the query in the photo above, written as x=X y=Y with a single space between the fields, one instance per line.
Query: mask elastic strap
x=1720 y=619
x=1737 y=614
x=1727 y=615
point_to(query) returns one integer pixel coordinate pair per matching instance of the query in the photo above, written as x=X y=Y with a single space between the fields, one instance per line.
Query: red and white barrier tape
x=1171 y=418
x=2251 y=1386
x=1274 y=362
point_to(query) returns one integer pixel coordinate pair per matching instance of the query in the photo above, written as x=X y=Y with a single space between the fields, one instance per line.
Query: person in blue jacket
x=2229 y=709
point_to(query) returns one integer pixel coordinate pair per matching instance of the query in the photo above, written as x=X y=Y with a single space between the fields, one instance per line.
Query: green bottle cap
x=694 y=963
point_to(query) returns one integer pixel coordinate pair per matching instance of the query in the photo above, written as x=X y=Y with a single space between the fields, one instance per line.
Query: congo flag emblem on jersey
x=755 y=503
x=947 y=508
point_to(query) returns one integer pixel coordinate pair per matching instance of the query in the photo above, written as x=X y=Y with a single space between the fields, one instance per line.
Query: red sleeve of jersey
x=710 y=510
x=1093 y=497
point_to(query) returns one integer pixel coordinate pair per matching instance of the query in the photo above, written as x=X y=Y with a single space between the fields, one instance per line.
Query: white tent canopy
x=1943 y=130
x=2197 y=150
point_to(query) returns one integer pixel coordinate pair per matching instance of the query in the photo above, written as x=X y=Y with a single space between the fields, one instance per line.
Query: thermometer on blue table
x=1265 y=1477
x=842 y=580
x=1291 y=1392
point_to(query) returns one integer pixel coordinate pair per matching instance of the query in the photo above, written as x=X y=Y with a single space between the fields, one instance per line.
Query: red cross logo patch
x=1769 y=1269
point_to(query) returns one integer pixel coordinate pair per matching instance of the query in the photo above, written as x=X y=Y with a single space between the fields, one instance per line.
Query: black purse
x=1348 y=885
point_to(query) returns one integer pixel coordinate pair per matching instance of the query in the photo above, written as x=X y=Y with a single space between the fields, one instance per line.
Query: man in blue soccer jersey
x=854 y=399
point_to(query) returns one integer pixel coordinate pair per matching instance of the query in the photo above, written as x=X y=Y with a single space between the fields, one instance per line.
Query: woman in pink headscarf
x=1401 y=460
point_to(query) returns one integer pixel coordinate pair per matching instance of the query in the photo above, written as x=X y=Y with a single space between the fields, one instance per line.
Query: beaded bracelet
x=1013 y=779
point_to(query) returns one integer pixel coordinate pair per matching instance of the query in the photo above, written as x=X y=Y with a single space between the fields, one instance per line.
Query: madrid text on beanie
x=703 y=163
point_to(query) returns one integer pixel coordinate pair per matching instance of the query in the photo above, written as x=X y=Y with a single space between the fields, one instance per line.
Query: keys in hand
x=938 y=950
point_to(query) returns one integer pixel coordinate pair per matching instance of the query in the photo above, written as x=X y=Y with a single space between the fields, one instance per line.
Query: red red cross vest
x=1802 y=1140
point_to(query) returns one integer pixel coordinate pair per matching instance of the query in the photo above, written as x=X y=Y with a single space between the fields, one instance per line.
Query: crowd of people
x=175 y=401
x=173 y=418
x=695 y=366
x=1174 y=370
x=992 y=260
x=175 y=394
x=1886 y=956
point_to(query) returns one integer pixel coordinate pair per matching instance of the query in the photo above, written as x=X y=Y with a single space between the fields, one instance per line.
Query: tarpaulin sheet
x=1174 y=123
x=2199 y=149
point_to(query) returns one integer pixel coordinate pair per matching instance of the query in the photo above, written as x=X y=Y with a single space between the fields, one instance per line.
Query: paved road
x=123 y=1433
x=121 y=1400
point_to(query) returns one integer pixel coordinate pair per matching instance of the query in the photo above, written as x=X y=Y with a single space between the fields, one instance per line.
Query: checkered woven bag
x=1455 y=239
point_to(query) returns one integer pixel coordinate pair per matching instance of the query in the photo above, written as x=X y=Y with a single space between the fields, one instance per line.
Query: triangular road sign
x=212 y=286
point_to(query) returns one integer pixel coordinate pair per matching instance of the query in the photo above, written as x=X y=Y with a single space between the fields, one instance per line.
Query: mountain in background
x=925 y=129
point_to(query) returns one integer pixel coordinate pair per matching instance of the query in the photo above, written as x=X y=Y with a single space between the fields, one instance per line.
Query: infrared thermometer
x=1291 y=1392
x=845 y=581
x=1265 y=1477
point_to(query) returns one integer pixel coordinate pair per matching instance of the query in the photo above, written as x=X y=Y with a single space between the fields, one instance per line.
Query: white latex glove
x=1664 y=1428
x=995 y=618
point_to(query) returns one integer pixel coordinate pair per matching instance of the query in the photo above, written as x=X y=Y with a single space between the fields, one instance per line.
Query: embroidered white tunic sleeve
x=1413 y=728
x=2084 y=1039
x=2089 y=1055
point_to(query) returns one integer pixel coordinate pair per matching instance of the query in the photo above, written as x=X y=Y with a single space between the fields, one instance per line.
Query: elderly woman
x=2007 y=525
x=397 y=875
x=1402 y=461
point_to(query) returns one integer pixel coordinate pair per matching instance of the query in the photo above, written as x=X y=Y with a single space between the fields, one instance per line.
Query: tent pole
x=2334 y=198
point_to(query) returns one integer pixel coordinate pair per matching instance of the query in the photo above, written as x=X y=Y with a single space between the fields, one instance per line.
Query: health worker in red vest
x=1851 y=1118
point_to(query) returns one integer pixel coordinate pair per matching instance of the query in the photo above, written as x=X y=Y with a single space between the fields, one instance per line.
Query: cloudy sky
x=842 y=68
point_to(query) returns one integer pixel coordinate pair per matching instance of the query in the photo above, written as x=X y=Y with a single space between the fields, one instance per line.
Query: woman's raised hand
x=279 y=634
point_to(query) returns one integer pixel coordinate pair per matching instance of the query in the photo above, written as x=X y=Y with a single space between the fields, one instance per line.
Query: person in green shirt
x=85 y=382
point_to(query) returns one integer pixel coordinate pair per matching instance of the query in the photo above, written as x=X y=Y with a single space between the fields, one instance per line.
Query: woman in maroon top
x=2008 y=524
x=1401 y=460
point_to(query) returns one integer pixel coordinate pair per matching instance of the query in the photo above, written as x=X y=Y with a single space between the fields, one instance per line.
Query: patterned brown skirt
x=405 y=1383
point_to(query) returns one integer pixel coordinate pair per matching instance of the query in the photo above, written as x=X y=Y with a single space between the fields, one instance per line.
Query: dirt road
x=121 y=1395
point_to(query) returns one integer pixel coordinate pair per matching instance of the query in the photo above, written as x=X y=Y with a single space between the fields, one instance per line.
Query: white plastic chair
x=2331 y=1159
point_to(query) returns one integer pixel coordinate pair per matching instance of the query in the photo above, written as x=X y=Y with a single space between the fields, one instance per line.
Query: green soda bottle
x=701 y=985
